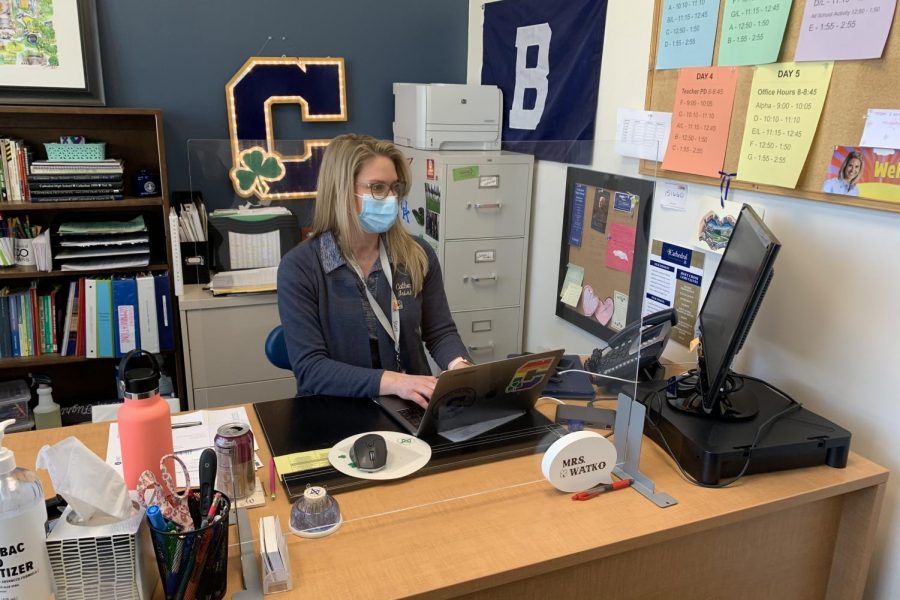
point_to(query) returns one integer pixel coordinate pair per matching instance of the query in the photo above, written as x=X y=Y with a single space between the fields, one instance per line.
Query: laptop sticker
x=529 y=375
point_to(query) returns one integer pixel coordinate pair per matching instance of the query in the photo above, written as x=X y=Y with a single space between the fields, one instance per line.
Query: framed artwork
x=50 y=53
x=603 y=258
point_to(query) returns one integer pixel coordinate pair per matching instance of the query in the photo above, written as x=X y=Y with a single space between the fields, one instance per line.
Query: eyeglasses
x=380 y=191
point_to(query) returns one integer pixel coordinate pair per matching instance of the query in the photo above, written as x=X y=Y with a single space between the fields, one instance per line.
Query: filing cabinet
x=474 y=209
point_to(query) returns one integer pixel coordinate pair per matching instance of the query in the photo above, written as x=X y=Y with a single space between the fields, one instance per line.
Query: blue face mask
x=378 y=216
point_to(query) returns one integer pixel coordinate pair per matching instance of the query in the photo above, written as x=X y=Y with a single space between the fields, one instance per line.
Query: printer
x=443 y=116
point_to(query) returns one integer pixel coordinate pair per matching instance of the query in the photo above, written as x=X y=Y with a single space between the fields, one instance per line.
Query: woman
x=361 y=295
x=845 y=182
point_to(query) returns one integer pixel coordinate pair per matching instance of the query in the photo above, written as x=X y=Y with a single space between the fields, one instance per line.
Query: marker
x=272 y=477
x=602 y=489
x=156 y=518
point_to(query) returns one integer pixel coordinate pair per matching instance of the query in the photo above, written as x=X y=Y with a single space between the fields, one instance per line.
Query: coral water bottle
x=24 y=566
x=145 y=427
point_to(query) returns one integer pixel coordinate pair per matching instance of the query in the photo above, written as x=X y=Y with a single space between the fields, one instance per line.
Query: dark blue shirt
x=321 y=309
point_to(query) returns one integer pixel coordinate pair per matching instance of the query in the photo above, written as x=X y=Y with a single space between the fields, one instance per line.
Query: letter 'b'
x=530 y=77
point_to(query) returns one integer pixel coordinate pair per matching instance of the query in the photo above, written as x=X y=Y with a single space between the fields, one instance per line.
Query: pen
x=186 y=424
x=602 y=489
x=272 y=477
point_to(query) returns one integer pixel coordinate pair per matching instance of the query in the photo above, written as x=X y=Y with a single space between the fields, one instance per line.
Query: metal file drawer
x=490 y=334
x=483 y=273
x=474 y=210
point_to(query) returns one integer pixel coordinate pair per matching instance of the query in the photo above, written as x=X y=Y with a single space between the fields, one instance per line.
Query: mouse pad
x=406 y=454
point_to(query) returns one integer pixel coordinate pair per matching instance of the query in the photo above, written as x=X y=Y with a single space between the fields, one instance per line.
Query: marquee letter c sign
x=258 y=169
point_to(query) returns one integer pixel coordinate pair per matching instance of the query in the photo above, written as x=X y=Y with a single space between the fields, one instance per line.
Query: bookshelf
x=136 y=136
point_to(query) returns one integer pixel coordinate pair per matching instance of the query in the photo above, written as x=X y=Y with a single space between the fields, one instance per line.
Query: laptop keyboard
x=413 y=414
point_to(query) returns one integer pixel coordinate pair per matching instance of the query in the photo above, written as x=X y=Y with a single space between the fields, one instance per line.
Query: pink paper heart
x=605 y=311
x=589 y=301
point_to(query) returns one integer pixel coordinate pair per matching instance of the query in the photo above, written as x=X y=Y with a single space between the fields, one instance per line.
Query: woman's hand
x=417 y=388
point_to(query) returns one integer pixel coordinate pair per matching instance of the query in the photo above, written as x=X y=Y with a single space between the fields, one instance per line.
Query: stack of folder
x=91 y=246
x=70 y=180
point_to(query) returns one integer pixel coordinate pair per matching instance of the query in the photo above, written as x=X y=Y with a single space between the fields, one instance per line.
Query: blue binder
x=125 y=309
x=164 y=311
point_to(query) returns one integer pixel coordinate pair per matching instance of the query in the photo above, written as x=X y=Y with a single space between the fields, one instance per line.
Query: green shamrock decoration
x=257 y=169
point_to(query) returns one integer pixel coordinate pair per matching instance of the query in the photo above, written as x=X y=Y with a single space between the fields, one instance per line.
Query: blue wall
x=178 y=56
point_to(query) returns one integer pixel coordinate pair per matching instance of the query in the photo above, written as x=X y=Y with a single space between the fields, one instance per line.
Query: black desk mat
x=316 y=422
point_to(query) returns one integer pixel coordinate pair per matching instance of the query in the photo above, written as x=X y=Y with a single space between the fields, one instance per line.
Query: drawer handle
x=481 y=348
x=480 y=279
x=476 y=206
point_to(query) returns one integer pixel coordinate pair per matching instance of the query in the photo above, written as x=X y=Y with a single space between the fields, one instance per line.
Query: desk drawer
x=483 y=273
x=490 y=334
x=474 y=212
x=227 y=395
x=227 y=345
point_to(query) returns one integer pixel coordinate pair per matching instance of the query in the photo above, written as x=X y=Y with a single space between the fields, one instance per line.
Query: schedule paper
x=687 y=33
x=700 y=120
x=752 y=31
x=844 y=29
x=642 y=133
x=786 y=101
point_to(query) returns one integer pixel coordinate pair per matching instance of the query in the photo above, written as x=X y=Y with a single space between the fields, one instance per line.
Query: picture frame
x=50 y=53
x=609 y=248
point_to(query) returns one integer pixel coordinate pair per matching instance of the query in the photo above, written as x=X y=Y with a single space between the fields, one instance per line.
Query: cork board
x=611 y=249
x=856 y=86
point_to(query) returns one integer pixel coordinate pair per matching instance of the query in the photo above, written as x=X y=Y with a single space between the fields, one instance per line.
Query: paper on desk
x=461 y=434
x=188 y=442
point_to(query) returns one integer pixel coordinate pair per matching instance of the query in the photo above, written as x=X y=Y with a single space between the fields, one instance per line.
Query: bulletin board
x=606 y=225
x=856 y=86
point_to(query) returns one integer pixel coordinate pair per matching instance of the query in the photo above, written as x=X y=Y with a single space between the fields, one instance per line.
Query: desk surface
x=534 y=540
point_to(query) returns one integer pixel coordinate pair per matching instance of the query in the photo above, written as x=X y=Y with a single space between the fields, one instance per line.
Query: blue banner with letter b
x=545 y=57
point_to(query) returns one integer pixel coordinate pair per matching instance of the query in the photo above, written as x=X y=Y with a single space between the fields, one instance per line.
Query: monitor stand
x=711 y=450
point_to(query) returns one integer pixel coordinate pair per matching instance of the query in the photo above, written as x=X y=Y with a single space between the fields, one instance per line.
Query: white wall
x=827 y=331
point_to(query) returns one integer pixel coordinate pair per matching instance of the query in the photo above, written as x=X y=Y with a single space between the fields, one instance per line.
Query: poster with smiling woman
x=864 y=172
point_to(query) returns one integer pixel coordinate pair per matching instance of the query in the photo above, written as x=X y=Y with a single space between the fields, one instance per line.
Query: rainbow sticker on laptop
x=529 y=375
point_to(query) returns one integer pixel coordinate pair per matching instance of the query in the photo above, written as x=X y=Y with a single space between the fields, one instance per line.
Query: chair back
x=276 y=349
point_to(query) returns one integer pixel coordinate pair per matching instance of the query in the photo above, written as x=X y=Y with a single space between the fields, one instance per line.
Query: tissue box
x=111 y=559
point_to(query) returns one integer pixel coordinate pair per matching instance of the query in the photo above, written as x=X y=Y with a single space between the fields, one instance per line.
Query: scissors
x=173 y=506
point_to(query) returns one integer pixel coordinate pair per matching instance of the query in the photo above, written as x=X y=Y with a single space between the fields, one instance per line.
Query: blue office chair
x=276 y=349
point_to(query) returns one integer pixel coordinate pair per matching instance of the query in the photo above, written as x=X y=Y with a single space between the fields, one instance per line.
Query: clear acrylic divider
x=224 y=369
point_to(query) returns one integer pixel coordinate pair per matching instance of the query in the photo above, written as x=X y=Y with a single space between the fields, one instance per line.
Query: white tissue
x=90 y=486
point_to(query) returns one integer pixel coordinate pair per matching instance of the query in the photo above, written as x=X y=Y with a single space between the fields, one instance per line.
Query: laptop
x=470 y=401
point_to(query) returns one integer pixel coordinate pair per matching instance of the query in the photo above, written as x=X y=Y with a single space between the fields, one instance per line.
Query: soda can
x=235 y=459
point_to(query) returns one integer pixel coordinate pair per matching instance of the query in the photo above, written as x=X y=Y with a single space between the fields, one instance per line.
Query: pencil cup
x=7 y=252
x=25 y=253
x=194 y=564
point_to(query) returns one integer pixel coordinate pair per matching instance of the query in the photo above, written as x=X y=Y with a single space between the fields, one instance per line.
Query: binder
x=90 y=318
x=125 y=315
x=105 y=346
x=164 y=312
x=149 y=332
x=81 y=337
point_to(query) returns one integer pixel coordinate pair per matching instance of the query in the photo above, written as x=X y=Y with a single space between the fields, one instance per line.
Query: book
x=164 y=311
x=91 y=198
x=41 y=187
x=5 y=341
x=125 y=314
x=14 y=325
x=80 y=347
x=67 y=323
x=105 y=336
x=147 y=322
x=67 y=178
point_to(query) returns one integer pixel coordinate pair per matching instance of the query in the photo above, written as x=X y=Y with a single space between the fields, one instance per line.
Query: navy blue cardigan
x=320 y=306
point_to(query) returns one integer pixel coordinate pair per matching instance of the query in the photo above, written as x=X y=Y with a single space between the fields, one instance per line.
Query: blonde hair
x=336 y=206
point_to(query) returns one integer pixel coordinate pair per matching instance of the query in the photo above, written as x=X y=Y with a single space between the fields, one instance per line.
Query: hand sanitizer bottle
x=24 y=566
x=46 y=413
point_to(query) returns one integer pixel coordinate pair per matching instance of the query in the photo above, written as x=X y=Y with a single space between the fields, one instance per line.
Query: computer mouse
x=369 y=452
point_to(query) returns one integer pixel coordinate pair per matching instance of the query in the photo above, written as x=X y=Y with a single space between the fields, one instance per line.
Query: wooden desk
x=802 y=534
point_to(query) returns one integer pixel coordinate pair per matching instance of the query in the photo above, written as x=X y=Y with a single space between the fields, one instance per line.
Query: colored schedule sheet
x=687 y=33
x=752 y=31
x=700 y=120
x=844 y=29
x=786 y=101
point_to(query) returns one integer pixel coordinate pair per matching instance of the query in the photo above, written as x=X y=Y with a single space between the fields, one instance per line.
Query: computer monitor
x=731 y=304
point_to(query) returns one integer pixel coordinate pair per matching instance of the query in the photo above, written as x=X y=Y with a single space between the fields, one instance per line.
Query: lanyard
x=393 y=327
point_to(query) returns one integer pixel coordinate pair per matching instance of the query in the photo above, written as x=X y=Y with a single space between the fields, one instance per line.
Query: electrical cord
x=794 y=405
